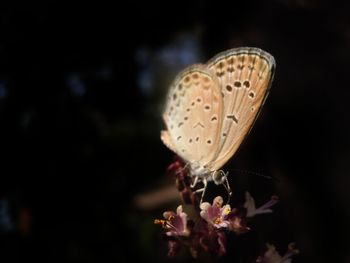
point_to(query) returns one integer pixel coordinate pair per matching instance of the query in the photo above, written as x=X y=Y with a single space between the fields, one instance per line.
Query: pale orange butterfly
x=211 y=108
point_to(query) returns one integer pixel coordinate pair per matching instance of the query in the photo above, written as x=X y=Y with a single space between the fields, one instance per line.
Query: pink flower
x=237 y=222
x=264 y=209
x=174 y=223
x=223 y=217
x=215 y=214
x=272 y=255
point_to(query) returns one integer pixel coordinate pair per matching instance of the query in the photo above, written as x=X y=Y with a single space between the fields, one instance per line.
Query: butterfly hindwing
x=193 y=115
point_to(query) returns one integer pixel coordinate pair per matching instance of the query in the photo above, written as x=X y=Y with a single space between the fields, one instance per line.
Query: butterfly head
x=219 y=177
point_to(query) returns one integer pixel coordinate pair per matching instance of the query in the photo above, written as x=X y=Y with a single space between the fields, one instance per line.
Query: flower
x=215 y=214
x=237 y=222
x=272 y=255
x=174 y=223
x=209 y=234
x=264 y=209
x=223 y=217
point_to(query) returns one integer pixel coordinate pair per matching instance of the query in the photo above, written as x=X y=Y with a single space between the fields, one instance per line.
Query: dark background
x=81 y=92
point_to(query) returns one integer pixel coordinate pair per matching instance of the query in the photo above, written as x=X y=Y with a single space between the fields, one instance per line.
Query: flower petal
x=204 y=206
x=264 y=209
x=218 y=201
x=249 y=204
x=204 y=215
x=274 y=200
x=214 y=212
x=179 y=209
x=168 y=214
x=226 y=210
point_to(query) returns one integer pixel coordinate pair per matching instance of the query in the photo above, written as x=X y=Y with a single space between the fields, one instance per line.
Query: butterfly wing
x=245 y=76
x=193 y=115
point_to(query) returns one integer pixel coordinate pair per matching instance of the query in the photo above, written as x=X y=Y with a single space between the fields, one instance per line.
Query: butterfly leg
x=195 y=182
x=202 y=190
x=220 y=178
x=228 y=188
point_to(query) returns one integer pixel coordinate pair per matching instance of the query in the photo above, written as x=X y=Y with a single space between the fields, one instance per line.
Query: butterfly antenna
x=254 y=173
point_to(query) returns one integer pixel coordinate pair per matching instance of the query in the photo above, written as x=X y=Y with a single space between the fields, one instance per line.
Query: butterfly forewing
x=193 y=115
x=244 y=75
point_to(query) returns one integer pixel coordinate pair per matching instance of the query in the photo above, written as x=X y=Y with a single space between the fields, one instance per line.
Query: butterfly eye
x=219 y=177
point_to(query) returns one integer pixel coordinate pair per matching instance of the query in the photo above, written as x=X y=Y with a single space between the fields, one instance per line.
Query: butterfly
x=210 y=109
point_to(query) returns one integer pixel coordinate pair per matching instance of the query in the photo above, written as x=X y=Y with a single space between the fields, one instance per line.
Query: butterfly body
x=211 y=108
x=198 y=170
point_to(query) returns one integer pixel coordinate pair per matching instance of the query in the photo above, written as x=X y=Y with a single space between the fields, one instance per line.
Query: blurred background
x=82 y=88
